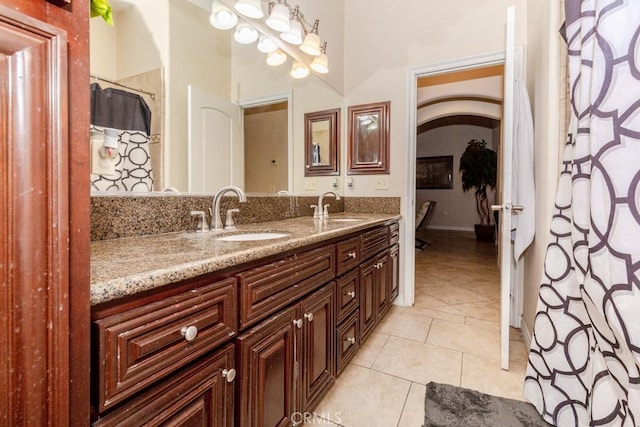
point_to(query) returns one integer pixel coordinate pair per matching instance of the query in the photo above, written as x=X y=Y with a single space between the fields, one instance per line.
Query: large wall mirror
x=167 y=46
x=369 y=138
x=322 y=143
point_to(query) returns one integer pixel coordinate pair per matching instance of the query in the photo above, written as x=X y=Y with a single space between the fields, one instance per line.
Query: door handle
x=507 y=206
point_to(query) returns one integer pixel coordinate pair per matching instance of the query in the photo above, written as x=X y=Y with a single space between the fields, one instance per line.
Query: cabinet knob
x=353 y=255
x=309 y=316
x=189 y=332
x=229 y=374
x=352 y=294
x=298 y=323
x=350 y=340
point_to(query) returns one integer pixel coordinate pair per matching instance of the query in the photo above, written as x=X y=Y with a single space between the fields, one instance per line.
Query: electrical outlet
x=382 y=183
x=309 y=184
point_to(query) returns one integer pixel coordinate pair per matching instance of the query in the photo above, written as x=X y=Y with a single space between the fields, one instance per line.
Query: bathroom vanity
x=200 y=331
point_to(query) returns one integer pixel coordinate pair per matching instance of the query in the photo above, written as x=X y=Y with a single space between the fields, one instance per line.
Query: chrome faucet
x=321 y=211
x=216 y=222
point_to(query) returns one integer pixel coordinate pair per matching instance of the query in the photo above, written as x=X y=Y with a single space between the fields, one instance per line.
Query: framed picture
x=434 y=172
x=368 y=150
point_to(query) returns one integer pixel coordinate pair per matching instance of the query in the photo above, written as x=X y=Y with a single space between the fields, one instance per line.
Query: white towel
x=523 y=193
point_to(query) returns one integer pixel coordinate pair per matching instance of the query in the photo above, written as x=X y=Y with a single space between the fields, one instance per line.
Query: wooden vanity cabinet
x=286 y=363
x=394 y=272
x=201 y=395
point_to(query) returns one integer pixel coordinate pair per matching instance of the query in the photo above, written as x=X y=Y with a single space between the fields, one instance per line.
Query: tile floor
x=451 y=335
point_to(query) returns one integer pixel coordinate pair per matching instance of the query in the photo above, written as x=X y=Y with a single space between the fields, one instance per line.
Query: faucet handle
x=229 y=224
x=316 y=211
x=202 y=221
x=325 y=211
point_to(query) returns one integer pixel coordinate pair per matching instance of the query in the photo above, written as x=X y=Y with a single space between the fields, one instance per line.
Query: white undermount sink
x=252 y=236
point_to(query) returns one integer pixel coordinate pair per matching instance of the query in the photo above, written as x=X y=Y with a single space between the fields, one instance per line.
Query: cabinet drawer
x=373 y=242
x=347 y=341
x=348 y=294
x=394 y=233
x=265 y=289
x=199 y=395
x=142 y=345
x=347 y=255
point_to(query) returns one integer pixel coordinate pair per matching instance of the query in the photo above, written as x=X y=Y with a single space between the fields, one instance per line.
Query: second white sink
x=248 y=237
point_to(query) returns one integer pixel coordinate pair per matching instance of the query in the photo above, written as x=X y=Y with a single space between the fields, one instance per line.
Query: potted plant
x=478 y=165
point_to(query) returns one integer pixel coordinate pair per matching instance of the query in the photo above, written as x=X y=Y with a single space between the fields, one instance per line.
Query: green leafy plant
x=478 y=165
x=102 y=8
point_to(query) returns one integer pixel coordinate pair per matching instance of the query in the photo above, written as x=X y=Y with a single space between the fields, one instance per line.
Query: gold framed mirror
x=369 y=139
x=322 y=143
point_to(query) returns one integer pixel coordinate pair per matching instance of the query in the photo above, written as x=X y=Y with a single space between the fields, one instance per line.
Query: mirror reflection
x=138 y=53
x=322 y=146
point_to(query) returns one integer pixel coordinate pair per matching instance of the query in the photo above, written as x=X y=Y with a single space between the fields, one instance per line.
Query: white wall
x=455 y=209
x=199 y=55
x=543 y=69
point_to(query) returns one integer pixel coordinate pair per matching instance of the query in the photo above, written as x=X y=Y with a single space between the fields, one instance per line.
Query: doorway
x=266 y=148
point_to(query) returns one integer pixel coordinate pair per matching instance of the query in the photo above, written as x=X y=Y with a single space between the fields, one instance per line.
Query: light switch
x=382 y=183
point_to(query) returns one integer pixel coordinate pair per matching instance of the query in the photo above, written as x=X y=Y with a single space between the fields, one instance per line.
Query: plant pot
x=485 y=232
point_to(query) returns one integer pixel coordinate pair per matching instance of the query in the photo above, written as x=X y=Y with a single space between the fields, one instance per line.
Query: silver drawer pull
x=189 y=332
x=309 y=316
x=298 y=323
x=350 y=340
x=353 y=255
x=352 y=294
x=229 y=374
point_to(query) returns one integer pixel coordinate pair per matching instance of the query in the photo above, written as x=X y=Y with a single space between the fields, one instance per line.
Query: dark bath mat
x=447 y=405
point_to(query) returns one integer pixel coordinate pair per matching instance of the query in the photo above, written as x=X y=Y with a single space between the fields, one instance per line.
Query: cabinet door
x=201 y=395
x=367 y=298
x=394 y=272
x=347 y=294
x=267 y=355
x=318 y=355
x=381 y=283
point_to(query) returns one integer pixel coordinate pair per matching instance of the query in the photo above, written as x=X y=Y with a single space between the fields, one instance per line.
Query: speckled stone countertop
x=126 y=266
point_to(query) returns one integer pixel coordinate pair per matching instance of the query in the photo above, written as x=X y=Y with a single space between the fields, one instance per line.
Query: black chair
x=423 y=218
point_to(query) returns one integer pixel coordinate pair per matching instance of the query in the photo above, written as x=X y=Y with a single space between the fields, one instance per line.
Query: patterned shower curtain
x=584 y=363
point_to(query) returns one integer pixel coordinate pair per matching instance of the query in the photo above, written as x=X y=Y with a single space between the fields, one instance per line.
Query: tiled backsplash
x=116 y=216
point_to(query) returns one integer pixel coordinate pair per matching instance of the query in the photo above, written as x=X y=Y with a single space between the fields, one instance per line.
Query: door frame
x=268 y=100
x=414 y=73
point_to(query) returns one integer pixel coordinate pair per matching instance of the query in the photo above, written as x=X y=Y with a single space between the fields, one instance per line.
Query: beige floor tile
x=481 y=310
x=419 y=362
x=454 y=295
x=413 y=412
x=465 y=338
x=405 y=325
x=435 y=314
x=427 y=301
x=370 y=350
x=485 y=375
x=313 y=419
x=485 y=324
x=363 y=397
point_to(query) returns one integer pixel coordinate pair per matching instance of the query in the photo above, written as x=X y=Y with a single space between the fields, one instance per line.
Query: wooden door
x=367 y=298
x=267 y=355
x=44 y=213
x=381 y=283
x=318 y=355
x=394 y=272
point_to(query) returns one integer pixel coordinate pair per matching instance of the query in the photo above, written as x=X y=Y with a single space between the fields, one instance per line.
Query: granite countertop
x=126 y=266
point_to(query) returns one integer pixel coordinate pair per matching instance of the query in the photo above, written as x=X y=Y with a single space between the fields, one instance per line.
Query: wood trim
x=379 y=161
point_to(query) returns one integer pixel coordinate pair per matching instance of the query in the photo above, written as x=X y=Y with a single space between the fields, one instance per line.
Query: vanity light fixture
x=278 y=19
x=249 y=8
x=222 y=17
x=277 y=57
x=299 y=70
x=295 y=33
x=266 y=45
x=320 y=63
x=311 y=44
x=245 y=34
